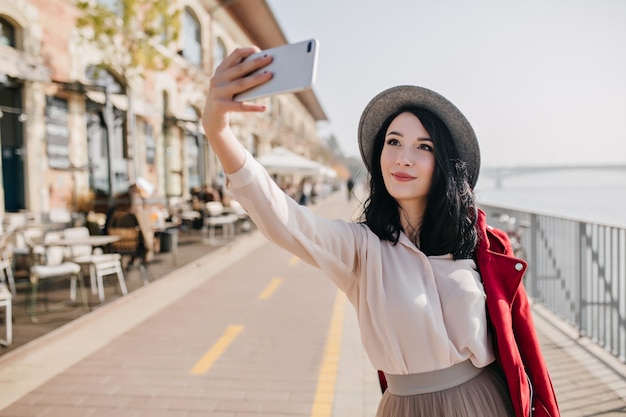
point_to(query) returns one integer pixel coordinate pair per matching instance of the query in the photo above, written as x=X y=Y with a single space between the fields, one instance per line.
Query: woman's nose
x=404 y=159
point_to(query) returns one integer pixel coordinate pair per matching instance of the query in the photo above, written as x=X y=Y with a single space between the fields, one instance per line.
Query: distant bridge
x=499 y=173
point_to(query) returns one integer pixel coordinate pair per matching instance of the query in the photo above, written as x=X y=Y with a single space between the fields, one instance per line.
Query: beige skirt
x=484 y=395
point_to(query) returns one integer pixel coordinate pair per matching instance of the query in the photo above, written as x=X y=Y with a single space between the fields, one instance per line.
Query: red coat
x=512 y=327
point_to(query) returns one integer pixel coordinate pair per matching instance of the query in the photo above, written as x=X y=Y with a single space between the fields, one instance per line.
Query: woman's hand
x=231 y=77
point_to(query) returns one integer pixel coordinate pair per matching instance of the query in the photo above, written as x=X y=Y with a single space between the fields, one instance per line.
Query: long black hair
x=449 y=223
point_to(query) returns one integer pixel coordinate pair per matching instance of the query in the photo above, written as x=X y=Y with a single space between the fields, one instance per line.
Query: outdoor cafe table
x=94 y=241
x=70 y=242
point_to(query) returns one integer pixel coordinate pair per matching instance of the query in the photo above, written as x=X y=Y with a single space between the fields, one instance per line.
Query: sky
x=543 y=82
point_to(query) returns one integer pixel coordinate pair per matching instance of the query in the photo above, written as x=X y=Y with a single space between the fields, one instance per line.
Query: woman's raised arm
x=231 y=77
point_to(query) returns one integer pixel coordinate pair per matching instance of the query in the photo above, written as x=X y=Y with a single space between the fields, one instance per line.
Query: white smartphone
x=293 y=66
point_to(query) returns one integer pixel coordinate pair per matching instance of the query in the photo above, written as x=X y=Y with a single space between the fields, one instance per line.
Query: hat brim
x=393 y=99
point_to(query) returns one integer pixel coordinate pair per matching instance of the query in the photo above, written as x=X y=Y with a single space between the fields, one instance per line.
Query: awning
x=284 y=162
x=329 y=172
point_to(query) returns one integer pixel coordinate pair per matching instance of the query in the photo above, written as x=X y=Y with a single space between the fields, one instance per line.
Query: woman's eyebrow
x=393 y=132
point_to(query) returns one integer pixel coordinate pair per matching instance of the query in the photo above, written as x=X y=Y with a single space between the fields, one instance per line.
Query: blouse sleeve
x=332 y=245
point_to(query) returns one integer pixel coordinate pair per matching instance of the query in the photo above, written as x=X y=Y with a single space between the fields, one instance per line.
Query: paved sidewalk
x=26 y=369
x=588 y=381
x=190 y=249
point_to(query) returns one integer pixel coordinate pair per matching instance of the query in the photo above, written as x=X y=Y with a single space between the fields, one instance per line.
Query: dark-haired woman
x=442 y=311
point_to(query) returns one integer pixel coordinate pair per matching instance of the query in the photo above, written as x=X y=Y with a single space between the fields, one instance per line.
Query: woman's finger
x=239 y=85
x=238 y=55
x=221 y=93
x=231 y=79
x=240 y=74
x=224 y=71
x=236 y=65
x=233 y=76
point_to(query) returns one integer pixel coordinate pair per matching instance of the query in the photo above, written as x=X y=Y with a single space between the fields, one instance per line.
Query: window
x=102 y=77
x=7 y=33
x=192 y=160
x=219 y=53
x=57 y=132
x=148 y=133
x=107 y=150
x=113 y=5
x=192 y=47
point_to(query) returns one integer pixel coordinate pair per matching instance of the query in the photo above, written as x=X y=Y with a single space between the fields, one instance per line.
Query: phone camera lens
x=309 y=47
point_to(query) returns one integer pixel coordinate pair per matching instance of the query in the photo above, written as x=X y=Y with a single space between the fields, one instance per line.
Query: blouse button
x=519 y=266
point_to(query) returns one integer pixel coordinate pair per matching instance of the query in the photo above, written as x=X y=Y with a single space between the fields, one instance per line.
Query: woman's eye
x=425 y=147
x=392 y=142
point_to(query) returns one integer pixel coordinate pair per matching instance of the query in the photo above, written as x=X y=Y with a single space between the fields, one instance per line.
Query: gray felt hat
x=390 y=101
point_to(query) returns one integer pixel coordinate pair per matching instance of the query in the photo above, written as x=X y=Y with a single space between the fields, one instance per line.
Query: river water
x=596 y=196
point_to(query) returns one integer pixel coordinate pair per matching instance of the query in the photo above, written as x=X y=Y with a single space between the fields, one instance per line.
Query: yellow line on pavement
x=271 y=287
x=294 y=261
x=216 y=350
x=325 y=393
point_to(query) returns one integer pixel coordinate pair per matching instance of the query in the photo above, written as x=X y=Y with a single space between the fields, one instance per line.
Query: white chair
x=99 y=264
x=6 y=301
x=215 y=218
x=16 y=220
x=6 y=263
x=27 y=242
x=59 y=217
x=27 y=248
x=53 y=267
x=6 y=274
x=243 y=219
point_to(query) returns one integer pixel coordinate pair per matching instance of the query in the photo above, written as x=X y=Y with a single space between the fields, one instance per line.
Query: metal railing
x=577 y=269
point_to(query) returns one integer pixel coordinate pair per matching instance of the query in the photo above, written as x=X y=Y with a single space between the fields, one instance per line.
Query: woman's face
x=407 y=161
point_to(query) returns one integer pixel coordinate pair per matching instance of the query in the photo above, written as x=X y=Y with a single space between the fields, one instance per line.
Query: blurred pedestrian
x=305 y=190
x=129 y=207
x=209 y=193
x=440 y=300
x=349 y=187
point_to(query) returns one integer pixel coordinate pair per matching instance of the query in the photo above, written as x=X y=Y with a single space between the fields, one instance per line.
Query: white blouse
x=416 y=313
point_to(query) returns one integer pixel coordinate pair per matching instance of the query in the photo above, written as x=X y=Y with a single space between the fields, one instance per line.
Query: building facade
x=72 y=127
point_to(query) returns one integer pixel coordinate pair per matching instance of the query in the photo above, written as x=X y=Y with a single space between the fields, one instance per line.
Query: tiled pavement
x=588 y=381
x=190 y=249
x=125 y=358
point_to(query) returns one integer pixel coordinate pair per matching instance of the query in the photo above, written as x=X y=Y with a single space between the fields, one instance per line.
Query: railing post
x=580 y=251
x=532 y=255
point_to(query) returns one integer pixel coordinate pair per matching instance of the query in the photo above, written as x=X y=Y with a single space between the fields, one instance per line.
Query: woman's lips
x=401 y=176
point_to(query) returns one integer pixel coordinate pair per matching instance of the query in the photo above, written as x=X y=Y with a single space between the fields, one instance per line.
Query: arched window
x=102 y=77
x=106 y=135
x=7 y=33
x=192 y=46
x=219 y=52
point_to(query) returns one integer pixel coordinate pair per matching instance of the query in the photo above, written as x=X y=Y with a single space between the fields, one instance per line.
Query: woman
x=410 y=268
